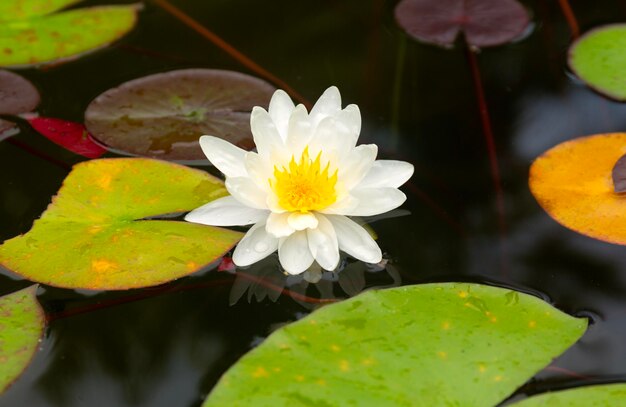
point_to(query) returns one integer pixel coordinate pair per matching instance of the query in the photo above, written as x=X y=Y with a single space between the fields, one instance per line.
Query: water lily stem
x=229 y=49
x=491 y=150
x=570 y=18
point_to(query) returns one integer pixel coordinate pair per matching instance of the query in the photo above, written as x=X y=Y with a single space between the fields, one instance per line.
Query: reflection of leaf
x=483 y=22
x=598 y=58
x=44 y=39
x=163 y=115
x=588 y=396
x=17 y=95
x=21 y=327
x=572 y=182
x=72 y=136
x=412 y=345
x=92 y=235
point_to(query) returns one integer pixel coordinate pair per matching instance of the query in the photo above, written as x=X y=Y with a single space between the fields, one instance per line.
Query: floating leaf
x=619 y=175
x=21 y=326
x=598 y=58
x=64 y=35
x=573 y=183
x=17 y=95
x=588 y=396
x=164 y=115
x=94 y=235
x=432 y=345
x=484 y=23
x=72 y=136
x=23 y=9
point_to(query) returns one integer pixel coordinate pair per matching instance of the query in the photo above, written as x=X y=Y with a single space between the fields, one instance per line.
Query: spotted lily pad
x=573 y=183
x=37 y=39
x=598 y=58
x=484 y=23
x=21 y=326
x=589 y=396
x=164 y=115
x=17 y=95
x=94 y=235
x=23 y=9
x=431 y=345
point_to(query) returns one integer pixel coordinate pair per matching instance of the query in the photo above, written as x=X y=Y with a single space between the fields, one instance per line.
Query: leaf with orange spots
x=95 y=234
x=21 y=327
x=574 y=185
x=613 y=394
x=444 y=344
x=29 y=38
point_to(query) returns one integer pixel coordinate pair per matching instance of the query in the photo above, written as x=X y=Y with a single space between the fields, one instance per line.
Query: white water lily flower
x=307 y=176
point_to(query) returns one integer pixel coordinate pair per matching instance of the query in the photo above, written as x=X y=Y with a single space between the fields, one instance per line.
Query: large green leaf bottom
x=21 y=326
x=92 y=235
x=448 y=344
x=607 y=395
x=598 y=58
x=30 y=36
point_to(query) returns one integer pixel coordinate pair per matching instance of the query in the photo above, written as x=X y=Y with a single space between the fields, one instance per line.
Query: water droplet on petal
x=261 y=247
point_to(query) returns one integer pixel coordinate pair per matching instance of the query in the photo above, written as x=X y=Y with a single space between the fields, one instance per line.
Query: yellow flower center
x=303 y=186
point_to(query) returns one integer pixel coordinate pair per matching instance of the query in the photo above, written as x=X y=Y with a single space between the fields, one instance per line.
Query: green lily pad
x=22 y=9
x=65 y=35
x=431 y=345
x=598 y=58
x=94 y=234
x=589 y=396
x=21 y=326
x=163 y=115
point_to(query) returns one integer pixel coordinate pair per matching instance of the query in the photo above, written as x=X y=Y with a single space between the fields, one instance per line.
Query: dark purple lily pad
x=164 y=115
x=17 y=96
x=484 y=23
x=619 y=175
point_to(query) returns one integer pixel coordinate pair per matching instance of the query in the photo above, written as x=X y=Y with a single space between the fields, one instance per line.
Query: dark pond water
x=170 y=344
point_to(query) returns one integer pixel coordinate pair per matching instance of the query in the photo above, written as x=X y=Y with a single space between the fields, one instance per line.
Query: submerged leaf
x=484 y=23
x=72 y=136
x=17 y=95
x=21 y=326
x=94 y=234
x=588 y=396
x=430 y=345
x=164 y=115
x=63 y=35
x=598 y=58
x=573 y=183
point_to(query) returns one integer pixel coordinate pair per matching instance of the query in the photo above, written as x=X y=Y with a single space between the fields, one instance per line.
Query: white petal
x=387 y=173
x=259 y=170
x=357 y=164
x=226 y=211
x=272 y=203
x=323 y=244
x=354 y=240
x=301 y=221
x=278 y=226
x=329 y=104
x=280 y=110
x=373 y=201
x=351 y=118
x=226 y=157
x=264 y=131
x=342 y=206
x=255 y=245
x=294 y=253
x=333 y=138
x=299 y=132
x=247 y=192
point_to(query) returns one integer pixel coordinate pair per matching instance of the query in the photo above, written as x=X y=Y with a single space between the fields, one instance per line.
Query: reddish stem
x=491 y=149
x=567 y=372
x=229 y=49
x=30 y=150
x=439 y=211
x=570 y=18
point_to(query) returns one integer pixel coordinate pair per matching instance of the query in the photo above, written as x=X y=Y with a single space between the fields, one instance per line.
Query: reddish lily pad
x=17 y=95
x=73 y=136
x=484 y=23
x=164 y=115
x=44 y=39
x=22 y=323
x=95 y=234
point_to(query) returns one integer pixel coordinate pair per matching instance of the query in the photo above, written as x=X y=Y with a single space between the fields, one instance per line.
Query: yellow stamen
x=303 y=186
